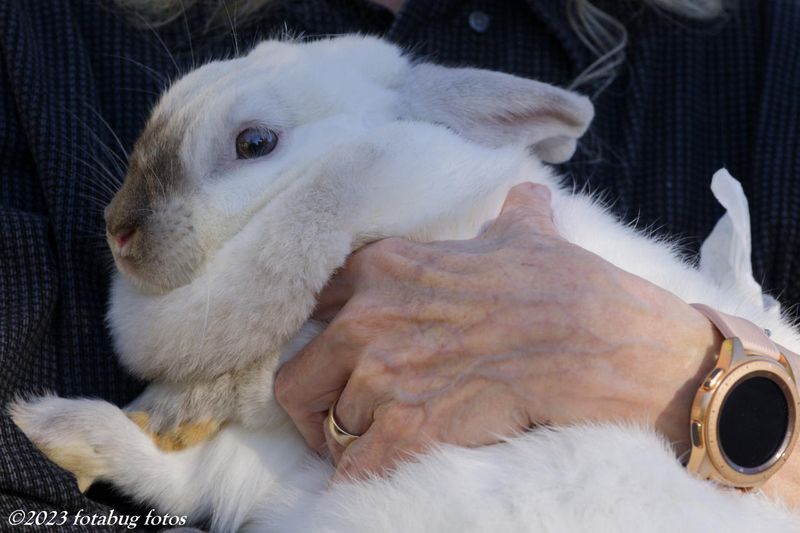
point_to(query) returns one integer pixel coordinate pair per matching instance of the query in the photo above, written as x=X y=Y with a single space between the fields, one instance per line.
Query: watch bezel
x=738 y=366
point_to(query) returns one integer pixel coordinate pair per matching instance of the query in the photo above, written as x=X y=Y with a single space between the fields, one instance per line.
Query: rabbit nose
x=122 y=237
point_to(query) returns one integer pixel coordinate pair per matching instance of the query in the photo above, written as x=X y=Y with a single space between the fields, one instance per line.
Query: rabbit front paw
x=79 y=435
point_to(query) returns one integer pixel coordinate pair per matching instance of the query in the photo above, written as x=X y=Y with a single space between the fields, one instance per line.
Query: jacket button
x=479 y=21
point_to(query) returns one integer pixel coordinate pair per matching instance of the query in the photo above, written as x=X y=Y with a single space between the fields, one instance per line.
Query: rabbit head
x=230 y=135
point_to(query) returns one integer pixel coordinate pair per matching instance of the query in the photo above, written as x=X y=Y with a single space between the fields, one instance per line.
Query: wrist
x=699 y=349
x=685 y=344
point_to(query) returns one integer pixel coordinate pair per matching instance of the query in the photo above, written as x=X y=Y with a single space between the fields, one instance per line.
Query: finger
x=377 y=453
x=333 y=448
x=308 y=384
x=528 y=205
x=355 y=408
x=358 y=271
x=315 y=438
x=337 y=292
x=311 y=425
x=367 y=388
x=528 y=194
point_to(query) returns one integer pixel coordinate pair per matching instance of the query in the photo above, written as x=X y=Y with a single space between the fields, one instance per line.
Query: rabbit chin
x=162 y=271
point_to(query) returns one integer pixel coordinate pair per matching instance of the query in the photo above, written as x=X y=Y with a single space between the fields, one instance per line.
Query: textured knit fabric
x=78 y=80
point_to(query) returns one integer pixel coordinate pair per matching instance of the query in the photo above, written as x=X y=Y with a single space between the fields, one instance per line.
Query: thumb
x=527 y=206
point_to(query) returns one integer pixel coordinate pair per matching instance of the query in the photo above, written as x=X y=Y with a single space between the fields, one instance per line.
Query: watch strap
x=753 y=338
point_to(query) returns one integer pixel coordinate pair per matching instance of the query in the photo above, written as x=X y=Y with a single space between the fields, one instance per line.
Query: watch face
x=753 y=423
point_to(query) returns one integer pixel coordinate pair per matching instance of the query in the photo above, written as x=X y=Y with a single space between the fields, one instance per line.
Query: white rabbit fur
x=371 y=146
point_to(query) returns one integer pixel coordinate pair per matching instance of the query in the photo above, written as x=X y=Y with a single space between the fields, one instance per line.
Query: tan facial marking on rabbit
x=149 y=222
x=155 y=174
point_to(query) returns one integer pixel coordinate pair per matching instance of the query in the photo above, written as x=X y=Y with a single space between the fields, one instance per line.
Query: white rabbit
x=253 y=180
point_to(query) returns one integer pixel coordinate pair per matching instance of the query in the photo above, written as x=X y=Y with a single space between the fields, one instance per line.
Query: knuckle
x=369 y=377
x=284 y=390
x=398 y=420
x=360 y=260
x=382 y=256
x=393 y=246
x=353 y=328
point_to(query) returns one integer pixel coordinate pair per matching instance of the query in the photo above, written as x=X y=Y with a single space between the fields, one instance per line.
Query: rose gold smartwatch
x=743 y=423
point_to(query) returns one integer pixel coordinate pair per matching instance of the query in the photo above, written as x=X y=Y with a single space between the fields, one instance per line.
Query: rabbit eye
x=255 y=142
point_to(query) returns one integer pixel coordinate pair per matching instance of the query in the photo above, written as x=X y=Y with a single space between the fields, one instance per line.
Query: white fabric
x=725 y=254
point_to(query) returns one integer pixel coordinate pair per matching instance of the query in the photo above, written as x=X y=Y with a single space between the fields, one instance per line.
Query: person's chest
x=689 y=99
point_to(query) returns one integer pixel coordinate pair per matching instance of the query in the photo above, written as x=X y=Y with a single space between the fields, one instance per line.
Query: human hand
x=464 y=342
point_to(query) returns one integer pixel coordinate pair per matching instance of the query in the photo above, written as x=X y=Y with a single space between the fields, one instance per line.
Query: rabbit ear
x=497 y=109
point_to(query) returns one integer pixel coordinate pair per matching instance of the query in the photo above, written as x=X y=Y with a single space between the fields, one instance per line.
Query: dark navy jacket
x=692 y=97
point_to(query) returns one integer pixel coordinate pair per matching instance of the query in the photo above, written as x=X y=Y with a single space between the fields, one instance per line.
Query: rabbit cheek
x=165 y=253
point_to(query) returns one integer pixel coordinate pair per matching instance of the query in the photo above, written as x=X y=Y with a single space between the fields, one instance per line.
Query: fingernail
x=541 y=192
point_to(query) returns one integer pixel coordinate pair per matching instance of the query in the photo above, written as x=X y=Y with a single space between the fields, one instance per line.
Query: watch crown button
x=697 y=434
x=713 y=378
